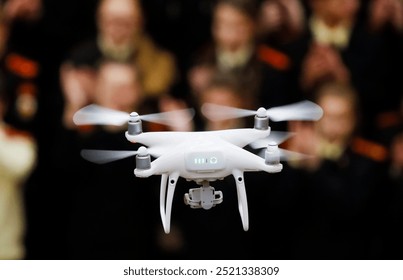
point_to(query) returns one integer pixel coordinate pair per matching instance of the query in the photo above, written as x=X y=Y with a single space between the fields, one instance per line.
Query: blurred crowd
x=343 y=201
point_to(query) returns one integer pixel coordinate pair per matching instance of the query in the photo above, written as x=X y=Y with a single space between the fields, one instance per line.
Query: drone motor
x=261 y=119
x=272 y=154
x=143 y=159
x=135 y=126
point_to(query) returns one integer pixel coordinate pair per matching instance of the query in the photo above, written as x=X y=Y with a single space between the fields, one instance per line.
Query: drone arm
x=166 y=202
x=242 y=136
x=242 y=199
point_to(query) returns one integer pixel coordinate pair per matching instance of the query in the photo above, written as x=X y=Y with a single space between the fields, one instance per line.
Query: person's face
x=119 y=20
x=336 y=11
x=118 y=88
x=231 y=28
x=338 y=121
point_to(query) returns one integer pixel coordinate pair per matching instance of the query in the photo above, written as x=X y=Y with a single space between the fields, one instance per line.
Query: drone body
x=199 y=156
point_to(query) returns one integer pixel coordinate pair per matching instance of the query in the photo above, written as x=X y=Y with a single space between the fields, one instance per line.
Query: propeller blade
x=276 y=137
x=95 y=114
x=105 y=156
x=303 y=110
x=286 y=155
x=99 y=115
x=216 y=112
x=171 y=118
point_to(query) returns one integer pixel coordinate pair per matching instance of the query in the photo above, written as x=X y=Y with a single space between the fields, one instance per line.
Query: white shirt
x=17 y=159
x=338 y=36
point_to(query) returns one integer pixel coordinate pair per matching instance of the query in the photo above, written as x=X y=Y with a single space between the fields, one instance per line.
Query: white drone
x=200 y=156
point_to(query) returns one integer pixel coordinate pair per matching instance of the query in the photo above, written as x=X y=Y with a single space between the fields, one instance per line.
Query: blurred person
x=333 y=132
x=233 y=49
x=385 y=18
x=118 y=86
x=332 y=23
x=321 y=64
x=20 y=66
x=280 y=21
x=338 y=46
x=330 y=26
x=383 y=13
x=343 y=176
x=120 y=36
x=29 y=28
x=225 y=90
x=17 y=160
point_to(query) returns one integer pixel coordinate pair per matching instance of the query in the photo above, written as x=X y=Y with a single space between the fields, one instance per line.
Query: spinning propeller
x=275 y=137
x=106 y=156
x=285 y=155
x=303 y=110
x=98 y=115
x=272 y=141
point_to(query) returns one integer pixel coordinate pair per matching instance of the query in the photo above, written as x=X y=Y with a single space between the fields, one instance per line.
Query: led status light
x=206 y=161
